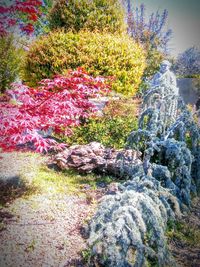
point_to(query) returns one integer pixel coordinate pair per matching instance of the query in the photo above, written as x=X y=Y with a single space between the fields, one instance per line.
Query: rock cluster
x=94 y=157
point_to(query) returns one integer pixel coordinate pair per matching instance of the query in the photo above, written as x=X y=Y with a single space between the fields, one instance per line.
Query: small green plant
x=111 y=129
x=86 y=254
x=31 y=246
x=2 y=226
x=152 y=262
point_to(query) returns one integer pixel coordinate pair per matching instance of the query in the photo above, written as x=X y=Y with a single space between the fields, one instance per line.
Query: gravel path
x=12 y=165
x=42 y=230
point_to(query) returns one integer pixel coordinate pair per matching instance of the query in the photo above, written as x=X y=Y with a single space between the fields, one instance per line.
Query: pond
x=187 y=90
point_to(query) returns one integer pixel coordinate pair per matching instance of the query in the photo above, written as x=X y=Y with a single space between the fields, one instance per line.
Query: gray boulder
x=94 y=157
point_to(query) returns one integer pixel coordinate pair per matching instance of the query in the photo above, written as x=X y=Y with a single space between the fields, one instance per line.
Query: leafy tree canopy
x=188 y=62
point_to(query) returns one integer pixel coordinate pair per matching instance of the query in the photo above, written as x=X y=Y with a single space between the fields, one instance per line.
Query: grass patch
x=68 y=181
x=185 y=233
x=36 y=178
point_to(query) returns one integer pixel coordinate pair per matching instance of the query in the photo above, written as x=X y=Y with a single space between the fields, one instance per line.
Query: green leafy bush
x=111 y=129
x=10 y=58
x=86 y=14
x=153 y=60
x=99 y=54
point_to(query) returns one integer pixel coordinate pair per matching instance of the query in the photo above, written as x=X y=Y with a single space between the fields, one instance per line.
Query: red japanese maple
x=11 y=14
x=53 y=107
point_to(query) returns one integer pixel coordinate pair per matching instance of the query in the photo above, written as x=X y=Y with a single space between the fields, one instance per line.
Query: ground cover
x=184 y=240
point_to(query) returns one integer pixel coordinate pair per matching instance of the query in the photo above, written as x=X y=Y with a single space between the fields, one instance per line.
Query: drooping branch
x=129 y=226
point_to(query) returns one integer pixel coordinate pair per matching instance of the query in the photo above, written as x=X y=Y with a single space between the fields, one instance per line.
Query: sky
x=184 y=20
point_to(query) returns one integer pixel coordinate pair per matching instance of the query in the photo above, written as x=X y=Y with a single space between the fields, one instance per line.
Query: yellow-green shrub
x=86 y=14
x=100 y=54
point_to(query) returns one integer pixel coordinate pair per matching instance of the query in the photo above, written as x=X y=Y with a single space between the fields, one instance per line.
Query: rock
x=95 y=157
x=86 y=168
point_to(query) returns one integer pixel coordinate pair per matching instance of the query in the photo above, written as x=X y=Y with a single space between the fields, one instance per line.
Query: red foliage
x=54 y=106
x=10 y=15
x=28 y=28
x=33 y=17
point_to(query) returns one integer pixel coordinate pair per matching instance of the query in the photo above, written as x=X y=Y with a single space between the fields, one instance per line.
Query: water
x=187 y=90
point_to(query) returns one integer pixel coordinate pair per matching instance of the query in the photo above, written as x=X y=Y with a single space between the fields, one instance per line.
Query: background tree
x=10 y=58
x=151 y=33
x=93 y=15
x=188 y=63
x=20 y=14
x=15 y=16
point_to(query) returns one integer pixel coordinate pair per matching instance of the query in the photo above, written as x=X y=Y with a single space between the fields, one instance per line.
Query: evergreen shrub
x=86 y=14
x=99 y=54
x=153 y=60
x=10 y=58
x=111 y=129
